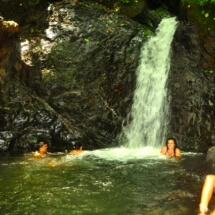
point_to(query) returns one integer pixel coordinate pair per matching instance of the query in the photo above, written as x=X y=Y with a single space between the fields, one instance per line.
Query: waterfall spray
x=149 y=112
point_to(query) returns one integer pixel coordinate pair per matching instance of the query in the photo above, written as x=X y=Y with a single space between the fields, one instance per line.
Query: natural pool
x=104 y=182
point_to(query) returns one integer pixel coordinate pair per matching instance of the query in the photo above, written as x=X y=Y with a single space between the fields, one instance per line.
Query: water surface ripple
x=101 y=183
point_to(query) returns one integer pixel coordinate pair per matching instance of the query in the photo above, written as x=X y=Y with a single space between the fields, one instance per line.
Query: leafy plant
x=86 y=40
x=202 y=11
x=204 y=2
x=199 y=2
x=209 y=71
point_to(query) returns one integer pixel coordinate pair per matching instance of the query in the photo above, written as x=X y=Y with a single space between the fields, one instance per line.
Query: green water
x=59 y=184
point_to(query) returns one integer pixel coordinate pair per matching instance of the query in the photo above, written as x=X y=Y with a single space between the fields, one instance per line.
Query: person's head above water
x=171 y=148
x=171 y=142
x=77 y=149
x=42 y=149
x=77 y=146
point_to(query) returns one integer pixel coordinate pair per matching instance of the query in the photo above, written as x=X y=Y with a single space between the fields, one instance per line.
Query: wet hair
x=77 y=145
x=175 y=142
x=41 y=143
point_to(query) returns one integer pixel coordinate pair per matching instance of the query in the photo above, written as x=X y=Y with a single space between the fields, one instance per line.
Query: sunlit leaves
x=86 y=40
x=206 y=15
x=209 y=71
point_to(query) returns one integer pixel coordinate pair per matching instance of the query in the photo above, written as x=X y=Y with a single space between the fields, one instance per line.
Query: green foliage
x=33 y=2
x=134 y=8
x=31 y=140
x=147 y=32
x=209 y=71
x=204 y=2
x=127 y=1
x=202 y=12
x=86 y=40
x=199 y=2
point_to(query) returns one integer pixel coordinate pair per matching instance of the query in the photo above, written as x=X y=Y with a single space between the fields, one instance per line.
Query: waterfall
x=149 y=112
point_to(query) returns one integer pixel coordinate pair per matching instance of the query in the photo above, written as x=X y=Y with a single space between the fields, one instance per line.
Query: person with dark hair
x=42 y=150
x=77 y=149
x=207 y=191
x=171 y=149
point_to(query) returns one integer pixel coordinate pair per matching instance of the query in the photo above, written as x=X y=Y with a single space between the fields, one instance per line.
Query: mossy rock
x=161 y=13
x=134 y=8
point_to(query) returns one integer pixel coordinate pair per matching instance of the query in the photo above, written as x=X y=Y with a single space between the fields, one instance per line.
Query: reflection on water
x=102 y=182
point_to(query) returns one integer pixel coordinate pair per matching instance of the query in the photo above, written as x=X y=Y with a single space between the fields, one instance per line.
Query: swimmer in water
x=42 y=151
x=171 y=149
x=206 y=195
x=77 y=149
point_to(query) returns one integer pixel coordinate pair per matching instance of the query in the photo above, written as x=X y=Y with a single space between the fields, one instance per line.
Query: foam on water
x=126 y=154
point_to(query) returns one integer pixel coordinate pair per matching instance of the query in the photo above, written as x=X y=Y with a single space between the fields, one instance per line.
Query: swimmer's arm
x=163 y=150
x=178 y=153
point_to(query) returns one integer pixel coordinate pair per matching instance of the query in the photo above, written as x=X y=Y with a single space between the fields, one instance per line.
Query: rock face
x=210 y=158
x=70 y=75
x=8 y=30
x=191 y=88
x=79 y=74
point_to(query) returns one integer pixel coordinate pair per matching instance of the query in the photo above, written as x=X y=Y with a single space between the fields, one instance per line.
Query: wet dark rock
x=191 y=89
x=79 y=80
x=173 y=5
x=3 y=145
x=211 y=155
x=75 y=76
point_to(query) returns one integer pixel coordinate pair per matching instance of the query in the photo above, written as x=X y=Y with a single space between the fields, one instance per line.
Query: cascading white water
x=149 y=113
